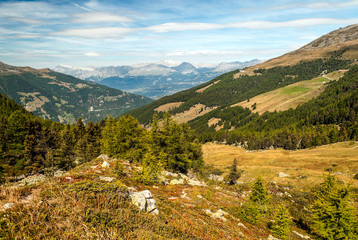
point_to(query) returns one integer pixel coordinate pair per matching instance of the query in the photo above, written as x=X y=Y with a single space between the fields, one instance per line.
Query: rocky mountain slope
x=153 y=79
x=63 y=98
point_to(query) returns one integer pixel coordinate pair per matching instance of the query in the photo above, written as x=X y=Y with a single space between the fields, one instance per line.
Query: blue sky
x=102 y=33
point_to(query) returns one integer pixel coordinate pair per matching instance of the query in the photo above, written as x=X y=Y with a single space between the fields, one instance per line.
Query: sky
x=110 y=33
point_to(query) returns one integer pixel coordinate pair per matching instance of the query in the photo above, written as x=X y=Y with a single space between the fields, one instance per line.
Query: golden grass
x=204 y=88
x=168 y=106
x=195 y=111
x=342 y=158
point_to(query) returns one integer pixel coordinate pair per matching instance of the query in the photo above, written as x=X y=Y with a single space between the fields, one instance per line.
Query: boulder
x=282 y=175
x=105 y=164
x=145 y=201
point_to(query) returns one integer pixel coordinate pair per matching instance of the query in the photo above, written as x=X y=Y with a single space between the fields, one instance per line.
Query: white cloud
x=97 y=17
x=196 y=26
x=330 y=5
x=172 y=26
x=30 y=10
x=26 y=20
x=101 y=32
x=92 y=54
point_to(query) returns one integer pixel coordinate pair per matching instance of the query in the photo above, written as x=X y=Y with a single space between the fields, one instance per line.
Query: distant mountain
x=153 y=79
x=64 y=98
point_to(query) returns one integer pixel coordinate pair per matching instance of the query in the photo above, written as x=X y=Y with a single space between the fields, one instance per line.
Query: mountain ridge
x=153 y=80
x=63 y=98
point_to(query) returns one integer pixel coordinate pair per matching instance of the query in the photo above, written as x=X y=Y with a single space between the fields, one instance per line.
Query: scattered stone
x=183 y=176
x=103 y=157
x=301 y=235
x=216 y=178
x=98 y=171
x=69 y=178
x=220 y=214
x=199 y=196
x=176 y=181
x=144 y=201
x=106 y=179
x=169 y=174
x=8 y=206
x=59 y=173
x=194 y=182
x=241 y=225
x=105 y=164
x=270 y=237
x=93 y=167
x=184 y=194
x=288 y=194
x=131 y=189
x=282 y=175
x=33 y=179
x=337 y=173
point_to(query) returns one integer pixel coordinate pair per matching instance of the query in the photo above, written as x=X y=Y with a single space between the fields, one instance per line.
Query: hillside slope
x=331 y=52
x=63 y=98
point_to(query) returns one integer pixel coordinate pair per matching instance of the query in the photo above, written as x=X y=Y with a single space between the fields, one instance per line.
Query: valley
x=154 y=80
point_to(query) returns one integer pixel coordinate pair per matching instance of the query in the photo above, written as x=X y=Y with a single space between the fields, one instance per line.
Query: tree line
x=29 y=144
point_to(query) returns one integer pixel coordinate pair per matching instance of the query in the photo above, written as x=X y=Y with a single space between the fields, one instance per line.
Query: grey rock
x=145 y=201
x=105 y=164
x=282 y=175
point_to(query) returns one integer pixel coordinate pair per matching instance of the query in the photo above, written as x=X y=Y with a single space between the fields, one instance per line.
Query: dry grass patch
x=289 y=96
x=204 y=88
x=195 y=111
x=167 y=107
x=304 y=167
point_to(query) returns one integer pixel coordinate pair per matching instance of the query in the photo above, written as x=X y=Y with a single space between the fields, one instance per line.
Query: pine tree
x=234 y=173
x=259 y=193
x=282 y=223
x=333 y=218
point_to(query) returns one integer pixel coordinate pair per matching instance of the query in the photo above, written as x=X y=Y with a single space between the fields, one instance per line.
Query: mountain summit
x=334 y=38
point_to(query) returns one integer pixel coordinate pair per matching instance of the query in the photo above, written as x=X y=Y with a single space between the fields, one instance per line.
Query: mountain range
x=64 y=98
x=272 y=95
x=153 y=80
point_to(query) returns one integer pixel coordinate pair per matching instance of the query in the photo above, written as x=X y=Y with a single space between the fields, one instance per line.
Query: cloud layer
x=47 y=33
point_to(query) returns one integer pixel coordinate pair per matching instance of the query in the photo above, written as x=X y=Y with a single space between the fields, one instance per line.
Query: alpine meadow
x=228 y=147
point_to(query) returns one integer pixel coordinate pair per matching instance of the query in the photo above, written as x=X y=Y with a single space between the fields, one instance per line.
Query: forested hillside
x=63 y=98
x=227 y=90
x=329 y=118
x=30 y=144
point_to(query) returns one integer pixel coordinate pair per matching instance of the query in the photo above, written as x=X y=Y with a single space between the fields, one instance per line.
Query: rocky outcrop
x=145 y=201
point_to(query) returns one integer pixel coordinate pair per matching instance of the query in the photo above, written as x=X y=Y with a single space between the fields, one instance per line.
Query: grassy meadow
x=304 y=167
